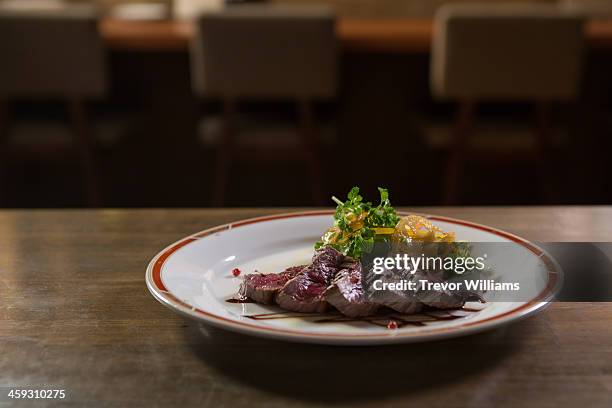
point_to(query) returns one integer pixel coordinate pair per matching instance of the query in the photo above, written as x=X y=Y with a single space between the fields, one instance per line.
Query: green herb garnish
x=357 y=224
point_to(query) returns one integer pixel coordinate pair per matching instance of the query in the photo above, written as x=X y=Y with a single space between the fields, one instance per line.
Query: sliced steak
x=441 y=299
x=402 y=301
x=346 y=293
x=304 y=293
x=444 y=299
x=263 y=287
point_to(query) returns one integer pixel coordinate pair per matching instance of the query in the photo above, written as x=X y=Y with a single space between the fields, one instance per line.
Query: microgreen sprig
x=356 y=223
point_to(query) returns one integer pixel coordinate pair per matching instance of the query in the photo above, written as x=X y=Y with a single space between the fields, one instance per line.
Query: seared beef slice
x=444 y=299
x=346 y=293
x=263 y=287
x=401 y=301
x=304 y=293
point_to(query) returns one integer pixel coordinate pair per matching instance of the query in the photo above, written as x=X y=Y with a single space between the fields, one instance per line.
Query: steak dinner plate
x=195 y=277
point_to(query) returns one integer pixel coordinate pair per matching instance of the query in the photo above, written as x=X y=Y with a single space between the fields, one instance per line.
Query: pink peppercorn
x=392 y=325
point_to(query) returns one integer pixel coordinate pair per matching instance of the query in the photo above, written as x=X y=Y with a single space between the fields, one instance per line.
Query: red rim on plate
x=161 y=293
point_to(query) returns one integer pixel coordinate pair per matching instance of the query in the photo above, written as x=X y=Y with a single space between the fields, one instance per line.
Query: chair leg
x=543 y=131
x=454 y=167
x=223 y=159
x=311 y=147
x=78 y=115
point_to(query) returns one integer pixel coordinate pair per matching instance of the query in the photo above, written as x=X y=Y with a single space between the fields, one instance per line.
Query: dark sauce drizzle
x=382 y=320
x=240 y=299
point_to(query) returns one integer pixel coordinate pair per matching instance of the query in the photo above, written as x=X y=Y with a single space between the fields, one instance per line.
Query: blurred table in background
x=403 y=35
x=402 y=26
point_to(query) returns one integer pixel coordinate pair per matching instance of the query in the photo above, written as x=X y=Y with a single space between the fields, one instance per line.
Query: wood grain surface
x=75 y=314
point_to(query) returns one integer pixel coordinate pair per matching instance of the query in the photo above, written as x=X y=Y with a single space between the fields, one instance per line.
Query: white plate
x=194 y=277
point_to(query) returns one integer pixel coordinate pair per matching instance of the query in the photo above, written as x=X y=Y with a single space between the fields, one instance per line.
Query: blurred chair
x=266 y=53
x=484 y=52
x=588 y=8
x=53 y=54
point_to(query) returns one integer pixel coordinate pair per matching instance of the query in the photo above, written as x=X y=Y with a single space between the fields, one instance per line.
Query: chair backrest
x=264 y=51
x=51 y=54
x=484 y=51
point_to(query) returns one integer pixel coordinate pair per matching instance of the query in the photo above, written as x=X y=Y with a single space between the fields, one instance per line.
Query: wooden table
x=75 y=314
x=401 y=35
